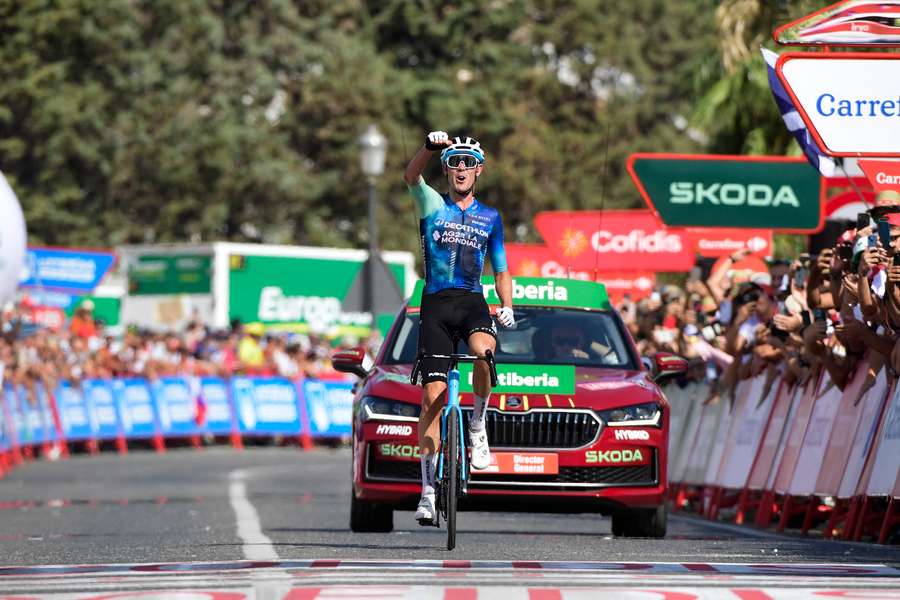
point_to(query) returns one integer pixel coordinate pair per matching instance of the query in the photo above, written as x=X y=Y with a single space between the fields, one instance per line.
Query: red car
x=576 y=424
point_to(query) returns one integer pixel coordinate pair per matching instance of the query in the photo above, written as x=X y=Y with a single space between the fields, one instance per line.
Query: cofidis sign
x=849 y=101
x=755 y=192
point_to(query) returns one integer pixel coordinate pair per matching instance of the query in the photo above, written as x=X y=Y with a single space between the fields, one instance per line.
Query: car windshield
x=541 y=335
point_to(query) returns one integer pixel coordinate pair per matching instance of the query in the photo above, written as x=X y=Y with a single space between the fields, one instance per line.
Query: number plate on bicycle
x=523 y=463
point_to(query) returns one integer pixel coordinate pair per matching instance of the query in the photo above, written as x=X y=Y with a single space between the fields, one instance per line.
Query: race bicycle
x=452 y=468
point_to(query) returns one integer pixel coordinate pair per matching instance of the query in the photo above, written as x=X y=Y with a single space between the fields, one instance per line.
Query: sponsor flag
x=794 y=122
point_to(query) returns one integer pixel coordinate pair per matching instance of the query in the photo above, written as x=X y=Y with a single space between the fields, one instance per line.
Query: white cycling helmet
x=463 y=145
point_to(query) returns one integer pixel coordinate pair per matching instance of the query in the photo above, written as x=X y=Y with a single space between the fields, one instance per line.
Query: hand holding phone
x=884 y=233
x=862 y=220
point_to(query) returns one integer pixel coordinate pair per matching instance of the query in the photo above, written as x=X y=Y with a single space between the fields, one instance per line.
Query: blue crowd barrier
x=172 y=407
x=103 y=411
x=329 y=406
x=74 y=413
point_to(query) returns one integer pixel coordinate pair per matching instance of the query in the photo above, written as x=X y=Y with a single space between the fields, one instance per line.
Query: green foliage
x=195 y=120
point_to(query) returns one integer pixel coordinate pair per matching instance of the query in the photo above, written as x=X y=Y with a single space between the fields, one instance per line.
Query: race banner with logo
x=266 y=405
x=847 y=100
x=176 y=406
x=713 y=242
x=525 y=379
x=882 y=174
x=104 y=410
x=329 y=406
x=291 y=292
x=536 y=260
x=79 y=271
x=214 y=407
x=752 y=192
x=614 y=240
x=136 y=407
x=74 y=412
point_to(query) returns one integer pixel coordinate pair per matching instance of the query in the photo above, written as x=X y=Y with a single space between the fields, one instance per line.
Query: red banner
x=719 y=241
x=536 y=260
x=614 y=240
x=882 y=174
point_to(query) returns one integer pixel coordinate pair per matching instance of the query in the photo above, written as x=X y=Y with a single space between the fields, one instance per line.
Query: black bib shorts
x=446 y=317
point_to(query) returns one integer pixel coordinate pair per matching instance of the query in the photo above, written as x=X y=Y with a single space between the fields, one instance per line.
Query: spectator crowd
x=84 y=349
x=824 y=310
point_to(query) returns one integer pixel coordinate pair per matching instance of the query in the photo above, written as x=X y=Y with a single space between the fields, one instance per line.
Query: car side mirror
x=668 y=366
x=350 y=361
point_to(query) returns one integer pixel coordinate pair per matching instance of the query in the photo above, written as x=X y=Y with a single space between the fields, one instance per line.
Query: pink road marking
x=460 y=594
x=544 y=594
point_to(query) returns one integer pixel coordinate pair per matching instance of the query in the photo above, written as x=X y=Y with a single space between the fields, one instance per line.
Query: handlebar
x=455 y=359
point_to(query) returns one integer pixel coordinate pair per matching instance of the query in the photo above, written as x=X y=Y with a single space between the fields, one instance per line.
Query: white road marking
x=256 y=545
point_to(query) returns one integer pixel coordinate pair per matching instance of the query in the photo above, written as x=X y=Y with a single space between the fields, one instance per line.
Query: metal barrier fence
x=805 y=456
x=37 y=420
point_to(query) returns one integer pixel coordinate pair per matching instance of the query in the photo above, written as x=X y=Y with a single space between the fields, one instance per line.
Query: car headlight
x=639 y=414
x=384 y=409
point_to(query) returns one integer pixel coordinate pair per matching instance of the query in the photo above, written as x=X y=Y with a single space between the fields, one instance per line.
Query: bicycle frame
x=453 y=402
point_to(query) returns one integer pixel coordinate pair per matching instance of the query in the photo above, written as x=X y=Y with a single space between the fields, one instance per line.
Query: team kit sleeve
x=495 y=247
x=426 y=198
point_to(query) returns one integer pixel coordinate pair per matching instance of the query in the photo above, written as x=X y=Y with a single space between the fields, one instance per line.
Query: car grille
x=403 y=470
x=539 y=428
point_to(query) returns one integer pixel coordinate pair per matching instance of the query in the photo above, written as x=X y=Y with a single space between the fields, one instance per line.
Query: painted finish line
x=803 y=570
x=420 y=592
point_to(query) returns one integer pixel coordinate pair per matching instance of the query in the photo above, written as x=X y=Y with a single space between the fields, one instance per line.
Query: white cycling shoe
x=426 y=512
x=481 y=452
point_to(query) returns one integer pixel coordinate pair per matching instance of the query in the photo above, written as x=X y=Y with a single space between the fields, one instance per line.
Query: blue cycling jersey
x=455 y=241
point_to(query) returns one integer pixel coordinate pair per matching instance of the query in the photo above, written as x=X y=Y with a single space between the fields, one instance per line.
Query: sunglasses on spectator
x=567 y=341
x=469 y=162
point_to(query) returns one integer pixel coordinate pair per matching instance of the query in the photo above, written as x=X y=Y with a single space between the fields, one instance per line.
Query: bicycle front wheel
x=451 y=474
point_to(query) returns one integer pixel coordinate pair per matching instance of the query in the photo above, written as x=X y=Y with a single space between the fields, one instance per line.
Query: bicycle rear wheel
x=451 y=474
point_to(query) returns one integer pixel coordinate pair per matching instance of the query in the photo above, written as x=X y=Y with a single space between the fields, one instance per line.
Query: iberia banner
x=615 y=240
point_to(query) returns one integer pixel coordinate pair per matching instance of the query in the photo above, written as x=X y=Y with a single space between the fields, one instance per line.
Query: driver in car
x=566 y=339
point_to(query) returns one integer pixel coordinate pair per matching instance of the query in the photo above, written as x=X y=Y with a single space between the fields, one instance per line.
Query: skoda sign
x=747 y=192
x=849 y=101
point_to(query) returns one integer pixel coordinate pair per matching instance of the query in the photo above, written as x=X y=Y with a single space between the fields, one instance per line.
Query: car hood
x=595 y=388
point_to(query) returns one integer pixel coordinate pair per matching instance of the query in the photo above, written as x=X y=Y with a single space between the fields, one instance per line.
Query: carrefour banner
x=77 y=270
x=177 y=406
x=757 y=192
x=215 y=414
x=136 y=408
x=102 y=406
x=266 y=405
x=329 y=406
x=74 y=412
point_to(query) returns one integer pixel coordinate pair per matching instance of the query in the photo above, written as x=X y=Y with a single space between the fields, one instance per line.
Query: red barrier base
x=891 y=519
x=839 y=519
x=795 y=506
x=769 y=508
x=5 y=466
x=688 y=497
x=871 y=518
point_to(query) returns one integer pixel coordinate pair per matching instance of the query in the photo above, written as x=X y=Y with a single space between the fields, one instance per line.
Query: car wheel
x=641 y=522
x=370 y=517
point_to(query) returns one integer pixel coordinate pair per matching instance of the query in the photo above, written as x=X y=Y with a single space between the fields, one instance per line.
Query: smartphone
x=800 y=277
x=845 y=252
x=819 y=315
x=781 y=334
x=884 y=233
x=862 y=220
x=873 y=241
x=896 y=260
x=807 y=319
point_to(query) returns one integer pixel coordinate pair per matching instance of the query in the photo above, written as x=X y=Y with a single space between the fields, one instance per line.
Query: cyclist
x=456 y=233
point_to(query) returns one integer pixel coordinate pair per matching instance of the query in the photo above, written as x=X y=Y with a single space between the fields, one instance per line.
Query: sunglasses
x=469 y=162
x=567 y=341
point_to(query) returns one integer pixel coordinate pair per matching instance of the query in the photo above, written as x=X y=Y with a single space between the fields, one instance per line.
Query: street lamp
x=373 y=150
